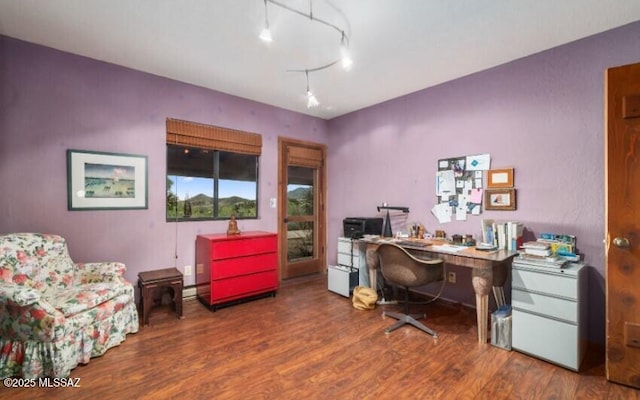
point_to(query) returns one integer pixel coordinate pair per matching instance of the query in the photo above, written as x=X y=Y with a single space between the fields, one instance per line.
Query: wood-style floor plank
x=308 y=343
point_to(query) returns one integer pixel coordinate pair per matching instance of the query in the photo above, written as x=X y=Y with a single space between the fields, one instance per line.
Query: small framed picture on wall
x=500 y=178
x=500 y=199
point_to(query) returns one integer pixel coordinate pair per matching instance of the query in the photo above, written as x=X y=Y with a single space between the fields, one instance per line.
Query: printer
x=355 y=227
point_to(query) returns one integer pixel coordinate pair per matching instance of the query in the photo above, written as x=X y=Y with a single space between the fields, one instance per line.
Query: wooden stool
x=151 y=284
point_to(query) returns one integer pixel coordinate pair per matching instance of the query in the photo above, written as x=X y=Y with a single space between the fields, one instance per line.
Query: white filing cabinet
x=549 y=312
x=352 y=253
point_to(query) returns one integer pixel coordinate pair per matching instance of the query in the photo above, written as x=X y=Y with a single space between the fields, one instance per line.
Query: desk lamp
x=386 y=227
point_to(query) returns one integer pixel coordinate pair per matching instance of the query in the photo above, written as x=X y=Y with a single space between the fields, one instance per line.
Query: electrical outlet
x=187 y=270
x=273 y=202
x=451 y=277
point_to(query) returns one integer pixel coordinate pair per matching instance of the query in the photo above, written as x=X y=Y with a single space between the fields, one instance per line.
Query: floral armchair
x=55 y=314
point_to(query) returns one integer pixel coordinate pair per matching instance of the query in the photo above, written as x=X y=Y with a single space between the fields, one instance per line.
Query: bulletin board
x=460 y=186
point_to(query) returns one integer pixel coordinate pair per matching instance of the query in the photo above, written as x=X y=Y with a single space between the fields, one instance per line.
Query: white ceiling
x=398 y=46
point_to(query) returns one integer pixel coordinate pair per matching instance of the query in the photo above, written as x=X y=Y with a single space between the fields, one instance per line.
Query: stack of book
x=540 y=254
x=537 y=248
x=549 y=250
x=502 y=235
x=561 y=245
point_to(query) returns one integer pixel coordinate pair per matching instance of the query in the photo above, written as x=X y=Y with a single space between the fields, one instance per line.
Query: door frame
x=321 y=230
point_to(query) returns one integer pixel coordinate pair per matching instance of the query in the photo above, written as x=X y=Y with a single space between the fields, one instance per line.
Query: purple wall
x=542 y=115
x=51 y=101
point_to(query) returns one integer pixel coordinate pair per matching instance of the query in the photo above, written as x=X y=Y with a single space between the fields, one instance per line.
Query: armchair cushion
x=55 y=313
x=83 y=297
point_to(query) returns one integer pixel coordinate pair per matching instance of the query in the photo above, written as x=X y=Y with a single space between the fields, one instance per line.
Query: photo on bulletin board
x=500 y=199
x=500 y=178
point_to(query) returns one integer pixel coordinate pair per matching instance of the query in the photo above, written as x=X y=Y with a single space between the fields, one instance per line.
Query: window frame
x=191 y=135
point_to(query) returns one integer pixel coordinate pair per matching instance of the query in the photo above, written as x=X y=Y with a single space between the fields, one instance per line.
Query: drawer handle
x=621 y=242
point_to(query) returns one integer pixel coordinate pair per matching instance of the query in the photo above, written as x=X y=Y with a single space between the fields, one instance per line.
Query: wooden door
x=622 y=152
x=301 y=210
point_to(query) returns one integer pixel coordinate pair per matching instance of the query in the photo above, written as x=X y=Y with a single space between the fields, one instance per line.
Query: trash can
x=501 y=327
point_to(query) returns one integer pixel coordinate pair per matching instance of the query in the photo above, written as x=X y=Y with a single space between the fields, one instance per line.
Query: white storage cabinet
x=549 y=312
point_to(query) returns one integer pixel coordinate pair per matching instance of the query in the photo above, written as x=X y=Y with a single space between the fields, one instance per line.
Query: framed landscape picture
x=500 y=199
x=106 y=181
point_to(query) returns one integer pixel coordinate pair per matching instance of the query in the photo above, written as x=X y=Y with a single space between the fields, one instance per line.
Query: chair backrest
x=401 y=268
x=36 y=260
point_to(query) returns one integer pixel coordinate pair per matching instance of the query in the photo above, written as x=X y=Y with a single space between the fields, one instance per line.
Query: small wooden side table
x=151 y=284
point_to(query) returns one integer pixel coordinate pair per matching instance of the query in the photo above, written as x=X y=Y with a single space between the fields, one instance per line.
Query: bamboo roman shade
x=192 y=134
x=305 y=157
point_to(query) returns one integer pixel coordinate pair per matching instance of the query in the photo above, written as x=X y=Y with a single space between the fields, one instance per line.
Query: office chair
x=400 y=268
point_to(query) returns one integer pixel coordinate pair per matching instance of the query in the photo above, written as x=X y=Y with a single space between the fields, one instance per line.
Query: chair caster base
x=404 y=319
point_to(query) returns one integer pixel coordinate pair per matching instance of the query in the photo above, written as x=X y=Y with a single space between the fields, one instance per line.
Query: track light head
x=265 y=35
x=345 y=58
x=345 y=55
x=311 y=100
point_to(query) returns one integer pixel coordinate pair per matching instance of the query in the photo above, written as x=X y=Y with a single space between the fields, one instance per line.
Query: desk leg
x=372 y=263
x=482 y=280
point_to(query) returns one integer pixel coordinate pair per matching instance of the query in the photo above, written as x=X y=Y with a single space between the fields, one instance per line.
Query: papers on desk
x=449 y=248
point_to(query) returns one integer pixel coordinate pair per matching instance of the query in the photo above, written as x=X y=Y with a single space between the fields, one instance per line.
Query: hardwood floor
x=308 y=343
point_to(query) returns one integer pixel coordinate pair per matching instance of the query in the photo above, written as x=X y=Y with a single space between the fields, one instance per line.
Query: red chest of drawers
x=234 y=267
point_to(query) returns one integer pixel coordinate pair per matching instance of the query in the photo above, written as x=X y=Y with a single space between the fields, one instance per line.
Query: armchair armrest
x=19 y=295
x=99 y=272
x=25 y=316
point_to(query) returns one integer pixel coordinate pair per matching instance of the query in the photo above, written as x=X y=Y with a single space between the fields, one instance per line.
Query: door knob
x=621 y=242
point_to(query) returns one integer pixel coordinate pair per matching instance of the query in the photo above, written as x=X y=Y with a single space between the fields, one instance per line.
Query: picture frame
x=500 y=199
x=500 y=178
x=106 y=181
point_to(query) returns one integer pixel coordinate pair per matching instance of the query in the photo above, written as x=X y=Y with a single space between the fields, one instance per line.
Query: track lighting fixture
x=345 y=56
x=265 y=35
x=311 y=99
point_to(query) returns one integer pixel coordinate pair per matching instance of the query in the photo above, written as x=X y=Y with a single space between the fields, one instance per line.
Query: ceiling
x=398 y=46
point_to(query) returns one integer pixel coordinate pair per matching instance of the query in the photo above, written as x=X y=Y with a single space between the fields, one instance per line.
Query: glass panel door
x=301 y=194
x=301 y=209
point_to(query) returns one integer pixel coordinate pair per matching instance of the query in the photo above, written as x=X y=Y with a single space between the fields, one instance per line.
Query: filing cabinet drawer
x=554 y=284
x=548 y=339
x=346 y=259
x=345 y=246
x=554 y=307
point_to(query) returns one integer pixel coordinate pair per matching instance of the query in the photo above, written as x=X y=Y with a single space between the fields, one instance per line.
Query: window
x=212 y=172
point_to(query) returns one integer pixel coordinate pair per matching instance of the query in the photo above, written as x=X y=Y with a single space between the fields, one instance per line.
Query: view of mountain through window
x=210 y=184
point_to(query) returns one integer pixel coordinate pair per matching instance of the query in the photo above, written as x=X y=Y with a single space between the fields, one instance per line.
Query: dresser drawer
x=549 y=339
x=229 y=267
x=243 y=247
x=564 y=309
x=553 y=284
x=243 y=286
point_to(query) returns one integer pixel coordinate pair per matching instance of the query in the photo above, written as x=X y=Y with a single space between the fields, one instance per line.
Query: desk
x=488 y=270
